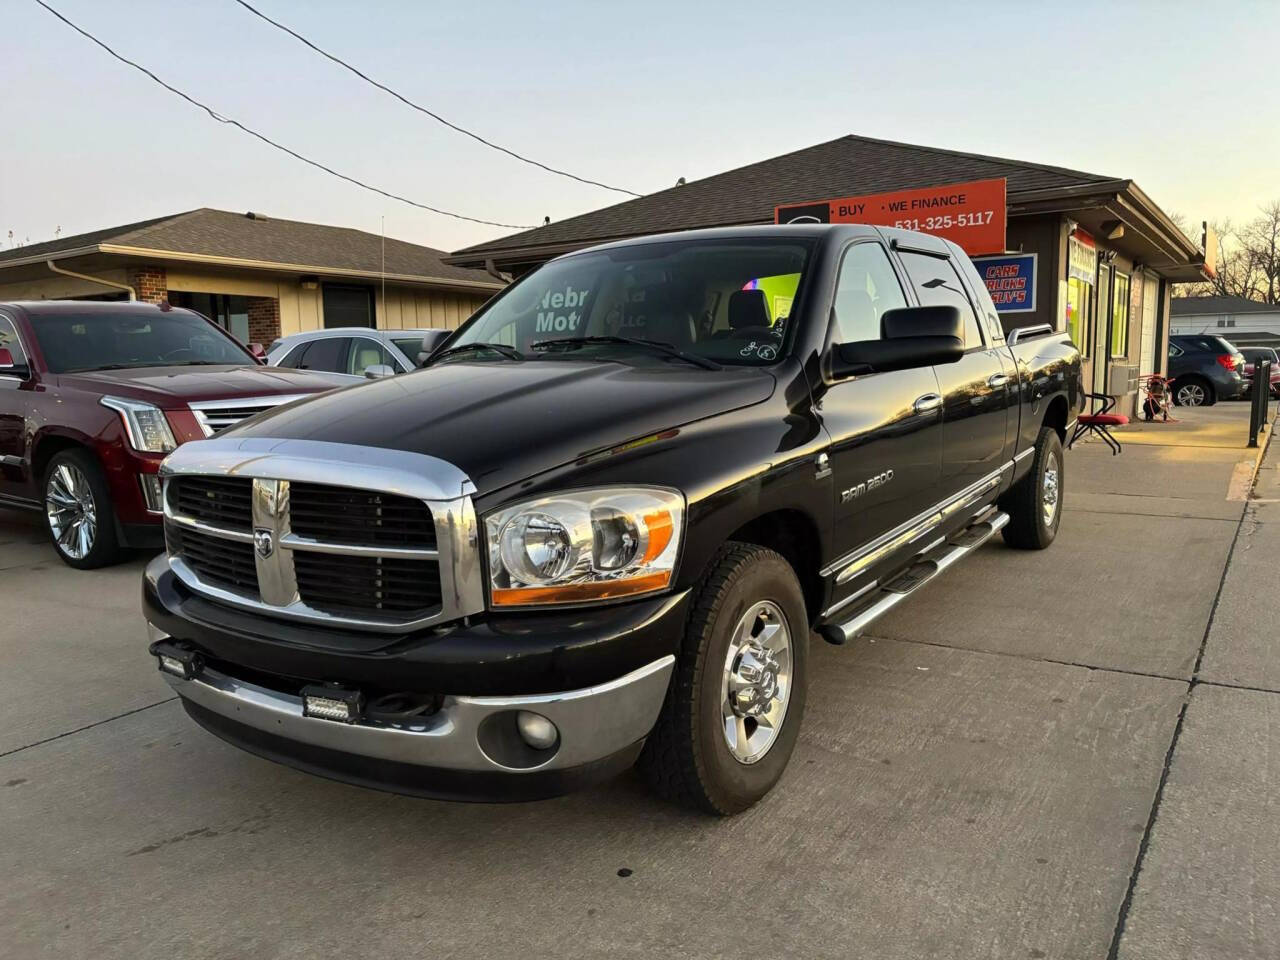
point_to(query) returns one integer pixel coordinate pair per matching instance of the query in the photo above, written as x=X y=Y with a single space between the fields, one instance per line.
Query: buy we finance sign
x=972 y=215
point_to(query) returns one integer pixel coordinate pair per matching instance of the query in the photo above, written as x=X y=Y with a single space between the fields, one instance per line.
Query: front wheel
x=78 y=511
x=736 y=700
x=1034 y=504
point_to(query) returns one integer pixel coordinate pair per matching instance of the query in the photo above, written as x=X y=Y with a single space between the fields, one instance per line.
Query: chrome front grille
x=223 y=501
x=214 y=416
x=217 y=560
x=352 y=586
x=364 y=517
x=363 y=552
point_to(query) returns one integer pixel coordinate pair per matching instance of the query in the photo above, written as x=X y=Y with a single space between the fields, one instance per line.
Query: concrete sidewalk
x=1007 y=767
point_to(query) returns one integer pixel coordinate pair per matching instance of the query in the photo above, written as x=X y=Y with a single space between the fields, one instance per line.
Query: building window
x=348 y=305
x=1079 y=312
x=231 y=313
x=1120 y=315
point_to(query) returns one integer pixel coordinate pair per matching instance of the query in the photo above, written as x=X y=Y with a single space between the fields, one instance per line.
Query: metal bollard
x=1259 y=400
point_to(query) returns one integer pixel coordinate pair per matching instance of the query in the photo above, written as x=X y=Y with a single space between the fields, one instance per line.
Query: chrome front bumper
x=593 y=722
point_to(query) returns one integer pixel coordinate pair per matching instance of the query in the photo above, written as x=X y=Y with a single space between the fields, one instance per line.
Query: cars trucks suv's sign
x=971 y=215
x=1010 y=280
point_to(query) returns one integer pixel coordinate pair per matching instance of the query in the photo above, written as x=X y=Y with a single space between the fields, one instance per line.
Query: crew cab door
x=13 y=410
x=885 y=428
x=978 y=390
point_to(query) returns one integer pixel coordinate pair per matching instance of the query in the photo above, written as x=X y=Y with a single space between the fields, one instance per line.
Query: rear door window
x=937 y=284
x=328 y=354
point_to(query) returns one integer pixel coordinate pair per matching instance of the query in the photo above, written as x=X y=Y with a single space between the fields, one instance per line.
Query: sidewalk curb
x=1246 y=472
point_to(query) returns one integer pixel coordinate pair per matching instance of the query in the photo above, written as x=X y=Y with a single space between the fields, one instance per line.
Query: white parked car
x=354 y=353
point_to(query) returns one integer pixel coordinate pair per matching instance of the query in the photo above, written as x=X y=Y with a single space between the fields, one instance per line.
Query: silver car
x=353 y=353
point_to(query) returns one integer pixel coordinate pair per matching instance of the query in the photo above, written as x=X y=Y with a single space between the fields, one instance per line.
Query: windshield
x=149 y=338
x=725 y=301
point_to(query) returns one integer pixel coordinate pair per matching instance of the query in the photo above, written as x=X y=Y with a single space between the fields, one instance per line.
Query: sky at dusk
x=1180 y=97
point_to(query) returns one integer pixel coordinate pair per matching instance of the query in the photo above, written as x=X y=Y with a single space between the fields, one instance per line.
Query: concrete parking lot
x=1069 y=754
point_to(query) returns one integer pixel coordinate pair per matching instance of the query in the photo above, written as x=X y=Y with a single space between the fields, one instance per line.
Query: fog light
x=151 y=492
x=177 y=661
x=332 y=703
x=536 y=730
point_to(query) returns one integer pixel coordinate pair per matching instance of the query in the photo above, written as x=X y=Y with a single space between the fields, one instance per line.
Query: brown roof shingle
x=846 y=166
x=219 y=233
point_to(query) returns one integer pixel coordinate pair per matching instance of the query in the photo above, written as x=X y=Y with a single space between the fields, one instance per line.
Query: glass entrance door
x=1102 y=333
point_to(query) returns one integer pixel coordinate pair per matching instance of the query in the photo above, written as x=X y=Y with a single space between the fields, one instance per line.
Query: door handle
x=928 y=403
x=997 y=380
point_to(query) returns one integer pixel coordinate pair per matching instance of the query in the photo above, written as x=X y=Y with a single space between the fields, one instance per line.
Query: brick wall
x=264 y=320
x=150 y=282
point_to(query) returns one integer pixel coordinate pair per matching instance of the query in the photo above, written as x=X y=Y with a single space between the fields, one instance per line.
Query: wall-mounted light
x=1112 y=229
x=310 y=283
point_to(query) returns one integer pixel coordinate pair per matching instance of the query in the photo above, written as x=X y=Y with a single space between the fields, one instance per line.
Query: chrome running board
x=921 y=571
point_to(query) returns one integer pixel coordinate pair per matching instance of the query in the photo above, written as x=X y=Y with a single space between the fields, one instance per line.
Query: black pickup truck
x=601 y=525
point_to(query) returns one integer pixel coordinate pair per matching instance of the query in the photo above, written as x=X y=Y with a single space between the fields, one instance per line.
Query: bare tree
x=1248 y=258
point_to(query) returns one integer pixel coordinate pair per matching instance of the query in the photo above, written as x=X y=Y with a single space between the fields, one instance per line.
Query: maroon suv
x=92 y=398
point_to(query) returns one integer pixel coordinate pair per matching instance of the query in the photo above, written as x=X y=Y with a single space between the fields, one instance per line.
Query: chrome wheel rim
x=73 y=518
x=1191 y=395
x=1050 y=491
x=756 y=686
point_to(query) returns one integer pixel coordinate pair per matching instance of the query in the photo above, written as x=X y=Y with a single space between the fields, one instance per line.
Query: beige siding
x=55 y=287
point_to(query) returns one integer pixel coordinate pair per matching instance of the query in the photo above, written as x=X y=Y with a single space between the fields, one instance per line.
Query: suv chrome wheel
x=73 y=516
x=1190 y=395
x=756 y=685
x=1049 y=491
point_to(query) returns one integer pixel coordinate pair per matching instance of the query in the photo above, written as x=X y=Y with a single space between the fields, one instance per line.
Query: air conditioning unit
x=1122 y=378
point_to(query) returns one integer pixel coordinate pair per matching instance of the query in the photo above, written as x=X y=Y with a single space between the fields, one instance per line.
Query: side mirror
x=258 y=352
x=376 y=371
x=429 y=344
x=911 y=337
x=9 y=366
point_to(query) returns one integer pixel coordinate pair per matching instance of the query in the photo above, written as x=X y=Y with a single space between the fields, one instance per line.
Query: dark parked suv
x=92 y=398
x=1204 y=369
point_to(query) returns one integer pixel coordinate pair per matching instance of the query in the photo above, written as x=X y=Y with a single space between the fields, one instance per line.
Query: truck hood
x=171 y=387
x=505 y=422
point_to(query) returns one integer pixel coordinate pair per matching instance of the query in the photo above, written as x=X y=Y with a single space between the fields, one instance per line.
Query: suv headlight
x=594 y=544
x=145 y=424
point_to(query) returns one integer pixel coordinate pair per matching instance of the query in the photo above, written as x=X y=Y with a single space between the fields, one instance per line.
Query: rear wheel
x=1193 y=392
x=736 y=699
x=1034 y=504
x=78 y=512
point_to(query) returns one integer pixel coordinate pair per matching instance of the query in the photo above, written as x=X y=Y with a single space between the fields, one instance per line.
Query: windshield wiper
x=511 y=353
x=670 y=349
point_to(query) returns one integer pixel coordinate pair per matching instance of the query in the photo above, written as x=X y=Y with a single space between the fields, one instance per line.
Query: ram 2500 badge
x=600 y=526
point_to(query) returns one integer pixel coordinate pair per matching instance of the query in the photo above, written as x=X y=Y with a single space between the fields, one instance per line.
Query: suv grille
x=220 y=501
x=215 y=416
x=359 y=555
x=363 y=517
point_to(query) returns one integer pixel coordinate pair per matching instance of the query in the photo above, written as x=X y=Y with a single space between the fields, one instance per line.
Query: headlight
x=145 y=424
x=584 y=545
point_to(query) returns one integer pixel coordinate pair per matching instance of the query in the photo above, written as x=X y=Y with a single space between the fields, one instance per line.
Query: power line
x=421 y=109
x=267 y=140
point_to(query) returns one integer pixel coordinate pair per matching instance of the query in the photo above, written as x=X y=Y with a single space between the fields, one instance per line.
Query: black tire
x=687 y=758
x=105 y=547
x=1028 y=528
x=1193 y=382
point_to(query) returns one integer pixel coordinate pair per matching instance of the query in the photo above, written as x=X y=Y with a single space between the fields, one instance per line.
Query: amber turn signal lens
x=581 y=592
x=660 y=529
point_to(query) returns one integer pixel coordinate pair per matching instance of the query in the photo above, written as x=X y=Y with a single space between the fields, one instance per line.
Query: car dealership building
x=1089 y=254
